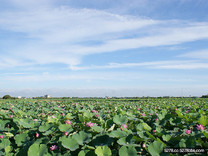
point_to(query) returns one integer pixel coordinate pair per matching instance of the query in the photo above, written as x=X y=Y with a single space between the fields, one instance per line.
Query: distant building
x=19 y=97
x=47 y=96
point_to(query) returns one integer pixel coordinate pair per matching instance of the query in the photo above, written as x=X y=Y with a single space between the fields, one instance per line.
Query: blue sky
x=104 y=48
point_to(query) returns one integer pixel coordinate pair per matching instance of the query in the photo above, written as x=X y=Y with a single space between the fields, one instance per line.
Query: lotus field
x=103 y=127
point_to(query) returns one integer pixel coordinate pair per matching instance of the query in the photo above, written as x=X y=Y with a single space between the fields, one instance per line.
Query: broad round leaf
x=82 y=137
x=103 y=151
x=37 y=150
x=127 y=151
x=70 y=143
x=155 y=148
x=120 y=119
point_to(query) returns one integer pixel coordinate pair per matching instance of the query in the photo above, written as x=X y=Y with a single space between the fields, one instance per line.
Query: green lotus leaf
x=65 y=128
x=103 y=140
x=82 y=137
x=8 y=149
x=155 y=148
x=21 y=139
x=182 y=143
x=97 y=129
x=50 y=119
x=46 y=127
x=150 y=135
x=166 y=137
x=180 y=115
x=2 y=124
x=140 y=127
x=38 y=150
x=70 y=143
x=203 y=120
x=146 y=126
x=69 y=116
x=205 y=134
x=88 y=115
x=103 y=151
x=127 y=141
x=120 y=120
x=20 y=113
x=83 y=152
x=191 y=142
x=26 y=123
x=118 y=134
x=5 y=145
x=9 y=135
x=127 y=151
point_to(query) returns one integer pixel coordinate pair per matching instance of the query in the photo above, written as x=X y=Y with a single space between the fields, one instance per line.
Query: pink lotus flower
x=1 y=136
x=90 y=124
x=53 y=147
x=108 y=111
x=62 y=109
x=35 y=120
x=53 y=116
x=138 y=108
x=188 y=131
x=11 y=116
x=200 y=127
x=94 y=111
x=143 y=145
x=65 y=133
x=153 y=131
x=97 y=115
x=36 y=135
x=58 y=106
x=123 y=126
x=68 y=122
x=156 y=114
x=142 y=114
x=155 y=107
x=176 y=109
x=157 y=119
x=63 y=114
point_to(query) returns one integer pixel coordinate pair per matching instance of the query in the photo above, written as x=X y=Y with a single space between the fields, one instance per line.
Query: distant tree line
x=204 y=96
x=8 y=97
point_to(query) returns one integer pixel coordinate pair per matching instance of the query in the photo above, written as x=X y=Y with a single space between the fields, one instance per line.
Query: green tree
x=7 y=97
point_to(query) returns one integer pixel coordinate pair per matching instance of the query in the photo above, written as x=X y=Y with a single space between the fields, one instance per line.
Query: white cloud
x=58 y=34
x=200 y=54
x=172 y=64
x=92 y=77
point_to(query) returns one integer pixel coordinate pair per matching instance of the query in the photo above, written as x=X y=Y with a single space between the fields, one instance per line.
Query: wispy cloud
x=200 y=54
x=66 y=35
x=102 y=43
x=172 y=64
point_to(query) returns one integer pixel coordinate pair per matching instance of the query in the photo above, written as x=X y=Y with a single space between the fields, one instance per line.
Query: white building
x=47 y=96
